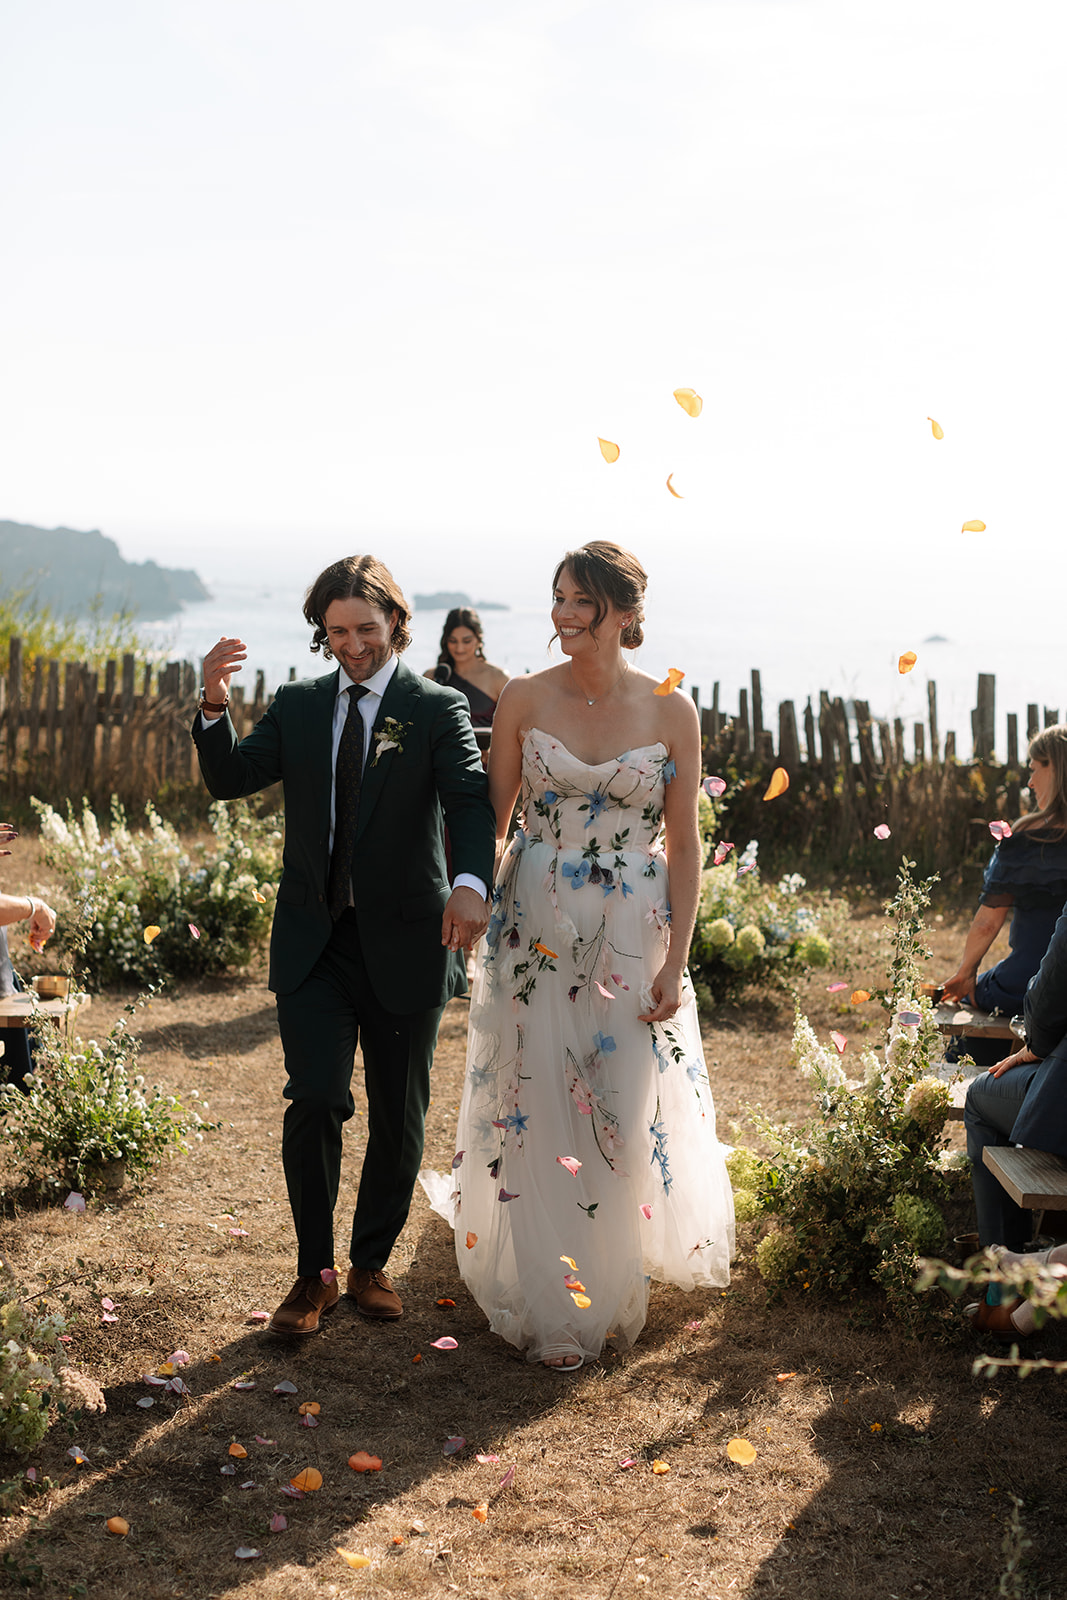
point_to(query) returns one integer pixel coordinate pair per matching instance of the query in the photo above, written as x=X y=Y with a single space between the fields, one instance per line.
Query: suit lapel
x=399 y=701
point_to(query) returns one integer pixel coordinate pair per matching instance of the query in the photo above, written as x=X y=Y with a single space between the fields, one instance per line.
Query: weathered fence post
x=1033 y=726
x=757 y=708
x=983 y=719
x=788 y=742
x=1013 y=739
x=1051 y=717
x=14 y=699
x=931 y=700
x=741 y=726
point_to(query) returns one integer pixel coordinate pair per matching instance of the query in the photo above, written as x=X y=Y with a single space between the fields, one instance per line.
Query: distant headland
x=73 y=573
x=449 y=600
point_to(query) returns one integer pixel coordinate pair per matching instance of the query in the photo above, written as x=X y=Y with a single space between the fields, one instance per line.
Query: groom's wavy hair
x=611 y=576
x=356 y=578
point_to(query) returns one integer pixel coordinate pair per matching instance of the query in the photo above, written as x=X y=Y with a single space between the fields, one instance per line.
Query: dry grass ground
x=883 y=1466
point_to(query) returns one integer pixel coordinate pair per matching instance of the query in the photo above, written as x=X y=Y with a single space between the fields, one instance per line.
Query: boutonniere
x=390 y=736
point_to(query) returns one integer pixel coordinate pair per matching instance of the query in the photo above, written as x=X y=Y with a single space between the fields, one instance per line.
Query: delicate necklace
x=606 y=692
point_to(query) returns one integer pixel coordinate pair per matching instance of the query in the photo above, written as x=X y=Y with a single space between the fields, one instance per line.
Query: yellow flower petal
x=973 y=527
x=690 y=401
x=936 y=429
x=778 y=785
x=151 y=932
x=609 y=451
x=907 y=661
x=570 y=1262
x=659 y=1468
x=261 y=899
x=741 y=1451
x=671 y=487
x=582 y=1301
x=353 y=1557
x=670 y=682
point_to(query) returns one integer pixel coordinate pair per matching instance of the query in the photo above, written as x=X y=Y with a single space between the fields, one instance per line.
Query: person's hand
x=465 y=920
x=8 y=831
x=960 y=986
x=666 y=992
x=1021 y=1058
x=42 y=924
x=220 y=664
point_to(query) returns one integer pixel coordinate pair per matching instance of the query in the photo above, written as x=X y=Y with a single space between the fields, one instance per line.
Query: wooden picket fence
x=68 y=731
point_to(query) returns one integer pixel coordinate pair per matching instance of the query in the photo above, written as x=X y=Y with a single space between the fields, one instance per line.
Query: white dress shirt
x=368 y=706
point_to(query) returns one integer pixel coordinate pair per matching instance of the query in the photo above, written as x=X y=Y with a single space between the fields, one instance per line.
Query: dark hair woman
x=462 y=665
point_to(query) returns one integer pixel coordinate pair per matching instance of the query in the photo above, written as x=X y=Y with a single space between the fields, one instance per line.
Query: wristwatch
x=214 y=708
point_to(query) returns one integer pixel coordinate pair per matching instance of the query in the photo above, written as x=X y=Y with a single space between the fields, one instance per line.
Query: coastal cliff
x=73 y=572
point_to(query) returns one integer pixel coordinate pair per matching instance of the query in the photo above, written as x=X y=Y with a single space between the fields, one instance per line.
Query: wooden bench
x=1036 y=1180
x=970 y=1023
x=17 y=1009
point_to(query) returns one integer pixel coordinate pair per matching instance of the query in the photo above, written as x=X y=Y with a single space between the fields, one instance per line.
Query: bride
x=587 y=1161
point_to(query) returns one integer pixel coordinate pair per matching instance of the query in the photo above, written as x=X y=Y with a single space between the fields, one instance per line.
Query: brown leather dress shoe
x=997 y=1320
x=374 y=1294
x=306 y=1303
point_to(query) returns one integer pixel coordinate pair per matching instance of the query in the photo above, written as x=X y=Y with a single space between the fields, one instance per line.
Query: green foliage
x=748 y=933
x=87 y=1105
x=856 y=1192
x=117 y=884
x=31 y=1355
x=100 y=638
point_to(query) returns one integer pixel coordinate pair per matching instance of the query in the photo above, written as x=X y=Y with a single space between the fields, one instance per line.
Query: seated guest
x=462 y=665
x=1027 y=875
x=1023 y=1099
x=42 y=920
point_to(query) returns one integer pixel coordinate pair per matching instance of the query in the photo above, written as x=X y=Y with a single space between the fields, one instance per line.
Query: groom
x=367 y=941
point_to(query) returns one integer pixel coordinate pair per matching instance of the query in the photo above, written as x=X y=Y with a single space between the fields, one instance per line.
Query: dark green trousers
x=321 y=1023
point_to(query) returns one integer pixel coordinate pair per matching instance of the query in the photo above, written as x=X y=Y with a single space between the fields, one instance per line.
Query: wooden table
x=17 y=1009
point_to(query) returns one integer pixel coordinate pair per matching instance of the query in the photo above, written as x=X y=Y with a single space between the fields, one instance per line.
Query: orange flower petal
x=742 y=1452
x=150 y=933
x=778 y=785
x=582 y=1301
x=309 y=1480
x=238 y=1452
x=783 y=1377
x=973 y=527
x=416 y=1357
x=353 y=1557
x=690 y=401
x=481 y=1511
x=907 y=661
x=570 y=1261
x=672 y=489
x=609 y=451
x=545 y=951
x=859 y=996
x=936 y=429
x=261 y=899
x=472 y=1240
x=670 y=682
x=310 y=1408
x=118 y=1525
x=362 y=1462
x=659 y=1468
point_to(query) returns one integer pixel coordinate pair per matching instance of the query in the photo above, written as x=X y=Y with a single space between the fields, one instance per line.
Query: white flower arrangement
x=390 y=736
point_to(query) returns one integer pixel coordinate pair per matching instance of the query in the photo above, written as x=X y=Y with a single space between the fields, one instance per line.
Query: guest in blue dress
x=1027 y=876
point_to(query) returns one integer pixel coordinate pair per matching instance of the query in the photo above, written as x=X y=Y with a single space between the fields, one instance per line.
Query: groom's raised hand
x=220 y=664
x=465 y=920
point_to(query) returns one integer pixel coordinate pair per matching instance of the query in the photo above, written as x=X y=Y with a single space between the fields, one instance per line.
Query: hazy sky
x=281 y=280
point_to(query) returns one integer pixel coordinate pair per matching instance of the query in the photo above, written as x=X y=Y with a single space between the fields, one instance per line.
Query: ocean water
x=848 y=656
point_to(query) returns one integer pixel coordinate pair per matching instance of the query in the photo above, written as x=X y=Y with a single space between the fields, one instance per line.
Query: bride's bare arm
x=683 y=850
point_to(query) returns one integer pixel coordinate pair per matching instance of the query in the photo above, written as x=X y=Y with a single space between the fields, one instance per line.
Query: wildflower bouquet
x=87 y=1106
x=856 y=1193
x=211 y=902
x=31 y=1356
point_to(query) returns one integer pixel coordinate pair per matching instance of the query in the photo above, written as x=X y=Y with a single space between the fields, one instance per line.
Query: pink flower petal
x=292 y=1492
x=108 y=1305
x=722 y=850
x=646 y=1211
x=454 y=1445
x=882 y=831
x=457 y=1159
x=244 y=1383
x=146 y=1401
x=150 y=1377
x=691 y=1327
x=328 y=1274
x=714 y=787
x=74 y=1202
x=835 y=988
x=908 y=1019
x=249 y=1483
x=503 y=1195
x=108 y=1316
x=179 y=1358
x=238 y=1233
x=260 y=1440
x=1000 y=830
x=487 y=1460
x=605 y=992
x=571 y=1163
x=229 y=1470
x=31 y=1474
x=259 y=1316
x=308 y=1421
x=176 y=1386
x=278 y=1523
x=194 y=930
x=446 y=1343
x=839 y=1042
x=631 y=1461
x=245 y=1552
x=508 y=1479
x=285 y=1387
x=616 y=977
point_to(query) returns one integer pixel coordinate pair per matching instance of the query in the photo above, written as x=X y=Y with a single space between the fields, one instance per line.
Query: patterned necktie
x=347 y=780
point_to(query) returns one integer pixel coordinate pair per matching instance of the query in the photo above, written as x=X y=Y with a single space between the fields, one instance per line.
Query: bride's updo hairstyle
x=610 y=575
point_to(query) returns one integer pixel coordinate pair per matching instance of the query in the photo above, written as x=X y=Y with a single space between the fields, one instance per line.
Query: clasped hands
x=465 y=919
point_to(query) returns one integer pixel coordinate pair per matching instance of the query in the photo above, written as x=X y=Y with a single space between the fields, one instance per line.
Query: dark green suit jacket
x=398 y=872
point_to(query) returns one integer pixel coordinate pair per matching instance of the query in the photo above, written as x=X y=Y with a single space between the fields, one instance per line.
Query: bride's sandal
x=563 y=1363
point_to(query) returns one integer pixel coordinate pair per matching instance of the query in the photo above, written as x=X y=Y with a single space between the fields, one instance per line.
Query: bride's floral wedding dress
x=586 y=1157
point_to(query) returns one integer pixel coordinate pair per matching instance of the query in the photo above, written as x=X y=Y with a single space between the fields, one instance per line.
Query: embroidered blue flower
x=669 y=771
x=597 y=801
x=517 y=1121
x=625 y=887
x=578 y=874
x=661 y=1058
x=551 y=797
x=659 y=1153
x=604 y=1043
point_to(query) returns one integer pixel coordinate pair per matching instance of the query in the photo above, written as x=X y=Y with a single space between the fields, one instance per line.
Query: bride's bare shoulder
x=530 y=689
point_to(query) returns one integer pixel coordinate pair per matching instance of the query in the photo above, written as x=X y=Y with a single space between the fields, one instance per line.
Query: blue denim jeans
x=989 y=1115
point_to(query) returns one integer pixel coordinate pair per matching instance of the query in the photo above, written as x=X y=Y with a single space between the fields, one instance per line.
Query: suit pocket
x=292 y=894
x=418 y=906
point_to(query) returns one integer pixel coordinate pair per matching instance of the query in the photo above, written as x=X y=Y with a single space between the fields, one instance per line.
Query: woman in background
x=462 y=665
x=1027 y=875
